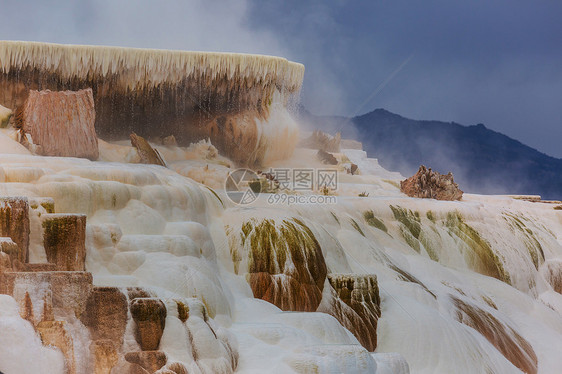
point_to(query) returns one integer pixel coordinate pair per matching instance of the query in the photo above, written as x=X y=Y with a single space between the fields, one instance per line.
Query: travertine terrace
x=226 y=97
x=111 y=266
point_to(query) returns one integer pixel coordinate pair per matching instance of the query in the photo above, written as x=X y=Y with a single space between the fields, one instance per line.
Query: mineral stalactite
x=155 y=92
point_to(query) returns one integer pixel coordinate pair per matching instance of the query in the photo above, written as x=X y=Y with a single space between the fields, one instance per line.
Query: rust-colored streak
x=506 y=340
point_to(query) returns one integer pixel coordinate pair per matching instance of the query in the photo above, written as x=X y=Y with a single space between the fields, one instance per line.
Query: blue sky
x=498 y=62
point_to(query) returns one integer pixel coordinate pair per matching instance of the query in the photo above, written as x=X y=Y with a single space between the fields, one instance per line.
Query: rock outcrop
x=14 y=223
x=150 y=318
x=5 y=261
x=10 y=253
x=60 y=123
x=147 y=154
x=429 y=184
x=106 y=314
x=64 y=240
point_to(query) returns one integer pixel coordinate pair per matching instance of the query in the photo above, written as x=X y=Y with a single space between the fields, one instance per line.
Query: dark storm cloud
x=496 y=62
x=493 y=61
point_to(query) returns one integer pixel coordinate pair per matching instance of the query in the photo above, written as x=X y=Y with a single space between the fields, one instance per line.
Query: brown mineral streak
x=506 y=340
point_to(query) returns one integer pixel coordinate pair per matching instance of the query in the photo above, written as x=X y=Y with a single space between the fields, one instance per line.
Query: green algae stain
x=430 y=216
x=183 y=310
x=410 y=239
x=534 y=247
x=409 y=219
x=49 y=206
x=335 y=218
x=374 y=221
x=411 y=228
x=432 y=252
x=489 y=262
x=216 y=195
x=356 y=227
x=271 y=245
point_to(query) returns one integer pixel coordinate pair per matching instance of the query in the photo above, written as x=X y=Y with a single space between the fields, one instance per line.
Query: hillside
x=482 y=160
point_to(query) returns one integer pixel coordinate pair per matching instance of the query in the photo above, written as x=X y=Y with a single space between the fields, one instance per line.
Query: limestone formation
x=177 y=368
x=34 y=267
x=29 y=291
x=11 y=250
x=14 y=223
x=41 y=293
x=60 y=123
x=429 y=184
x=552 y=272
x=5 y=262
x=71 y=290
x=125 y=367
x=105 y=356
x=285 y=262
x=147 y=154
x=106 y=314
x=355 y=302
x=54 y=333
x=64 y=240
x=151 y=361
x=150 y=318
x=5 y=115
x=155 y=92
x=138 y=292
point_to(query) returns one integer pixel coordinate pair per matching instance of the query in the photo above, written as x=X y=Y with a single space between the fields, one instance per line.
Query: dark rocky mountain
x=482 y=160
